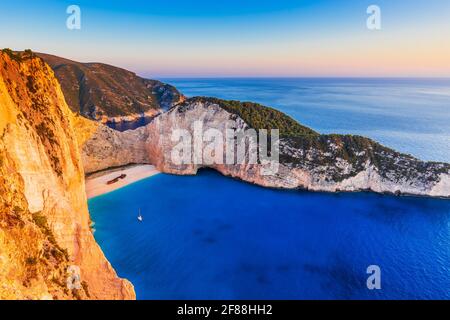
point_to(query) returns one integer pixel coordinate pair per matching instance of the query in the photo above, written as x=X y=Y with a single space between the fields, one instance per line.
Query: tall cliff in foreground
x=44 y=220
x=308 y=160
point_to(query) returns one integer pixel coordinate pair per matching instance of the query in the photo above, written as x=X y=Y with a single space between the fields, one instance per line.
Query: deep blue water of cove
x=212 y=237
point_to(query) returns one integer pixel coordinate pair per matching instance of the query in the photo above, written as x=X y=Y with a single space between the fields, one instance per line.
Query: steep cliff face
x=105 y=93
x=308 y=160
x=44 y=220
x=109 y=148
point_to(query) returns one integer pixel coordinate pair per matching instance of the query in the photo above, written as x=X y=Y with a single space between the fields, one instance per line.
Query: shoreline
x=96 y=183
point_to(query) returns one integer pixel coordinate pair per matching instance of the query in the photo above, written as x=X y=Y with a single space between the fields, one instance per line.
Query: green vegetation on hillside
x=305 y=148
x=18 y=56
x=258 y=116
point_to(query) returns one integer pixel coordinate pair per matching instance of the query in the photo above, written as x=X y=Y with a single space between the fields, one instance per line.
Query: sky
x=239 y=38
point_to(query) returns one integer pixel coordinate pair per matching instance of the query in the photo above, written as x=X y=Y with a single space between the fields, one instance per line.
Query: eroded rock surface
x=308 y=160
x=44 y=219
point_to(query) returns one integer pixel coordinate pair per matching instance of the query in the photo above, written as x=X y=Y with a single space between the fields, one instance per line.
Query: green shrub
x=30 y=261
x=258 y=116
x=12 y=54
x=40 y=220
x=28 y=54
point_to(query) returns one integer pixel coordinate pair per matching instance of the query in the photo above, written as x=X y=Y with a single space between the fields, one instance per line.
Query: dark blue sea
x=212 y=237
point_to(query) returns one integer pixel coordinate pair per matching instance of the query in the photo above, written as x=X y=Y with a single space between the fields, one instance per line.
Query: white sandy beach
x=96 y=184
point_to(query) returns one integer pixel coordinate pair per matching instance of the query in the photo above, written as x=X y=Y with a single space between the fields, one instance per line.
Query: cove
x=212 y=237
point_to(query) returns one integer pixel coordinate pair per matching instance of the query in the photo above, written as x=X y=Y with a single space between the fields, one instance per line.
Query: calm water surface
x=211 y=237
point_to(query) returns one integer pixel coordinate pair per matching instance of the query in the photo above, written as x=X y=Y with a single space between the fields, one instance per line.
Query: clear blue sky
x=239 y=38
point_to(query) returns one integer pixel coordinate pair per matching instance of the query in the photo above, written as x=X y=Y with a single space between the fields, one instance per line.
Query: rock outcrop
x=44 y=220
x=308 y=160
x=107 y=148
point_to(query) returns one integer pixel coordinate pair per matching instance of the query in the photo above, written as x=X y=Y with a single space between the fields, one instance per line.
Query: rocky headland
x=308 y=160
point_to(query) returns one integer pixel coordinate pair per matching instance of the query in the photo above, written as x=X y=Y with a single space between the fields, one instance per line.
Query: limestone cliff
x=107 y=148
x=44 y=219
x=308 y=160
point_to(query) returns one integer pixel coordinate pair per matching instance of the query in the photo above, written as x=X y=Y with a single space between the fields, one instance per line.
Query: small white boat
x=140 y=218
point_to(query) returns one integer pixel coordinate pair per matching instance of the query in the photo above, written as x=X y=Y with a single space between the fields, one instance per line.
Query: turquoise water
x=211 y=237
x=409 y=115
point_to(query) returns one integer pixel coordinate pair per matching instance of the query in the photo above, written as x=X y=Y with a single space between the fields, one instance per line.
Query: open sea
x=211 y=237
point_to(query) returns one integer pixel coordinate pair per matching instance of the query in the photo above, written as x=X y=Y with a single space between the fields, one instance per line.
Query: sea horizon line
x=299 y=77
